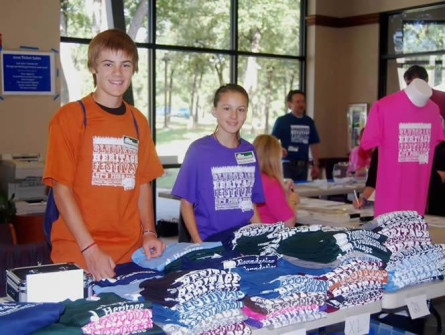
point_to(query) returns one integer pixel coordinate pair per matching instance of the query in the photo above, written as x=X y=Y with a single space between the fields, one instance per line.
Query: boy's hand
x=99 y=263
x=153 y=246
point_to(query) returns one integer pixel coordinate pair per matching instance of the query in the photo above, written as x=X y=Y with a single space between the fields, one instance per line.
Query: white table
x=338 y=214
x=329 y=213
x=316 y=188
x=323 y=187
x=393 y=300
x=330 y=319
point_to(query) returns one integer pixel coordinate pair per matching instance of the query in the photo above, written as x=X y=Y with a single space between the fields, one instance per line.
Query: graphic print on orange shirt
x=115 y=161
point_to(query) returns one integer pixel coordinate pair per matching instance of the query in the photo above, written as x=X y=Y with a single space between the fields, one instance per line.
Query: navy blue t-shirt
x=295 y=134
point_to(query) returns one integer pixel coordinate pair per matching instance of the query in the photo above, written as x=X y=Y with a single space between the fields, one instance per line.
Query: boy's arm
x=188 y=215
x=99 y=264
x=153 y=247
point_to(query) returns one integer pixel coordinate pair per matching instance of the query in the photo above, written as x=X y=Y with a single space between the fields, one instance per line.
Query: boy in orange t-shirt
x=101 y=171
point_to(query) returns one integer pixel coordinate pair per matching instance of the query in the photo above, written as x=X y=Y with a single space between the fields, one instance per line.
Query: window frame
x=116 y=8
x=386 y=56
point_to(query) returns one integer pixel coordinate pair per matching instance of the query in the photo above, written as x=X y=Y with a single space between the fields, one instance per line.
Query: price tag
x=357 y=324
x=417 y=306
x=301 y=331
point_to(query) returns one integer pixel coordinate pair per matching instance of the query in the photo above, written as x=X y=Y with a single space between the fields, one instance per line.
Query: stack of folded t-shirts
x=279 y=312
x=264 y=239
x=105 y=314
x=277 y=298
x=194 y=302
x=415 y=265
x=362 y=241
x=326 y=246
x=403 y=229
x=221 y=258
x=248 y=262
x=309 y=243
x=27 y=317
x=126 y=282
x=356 y=282
x=173 y=252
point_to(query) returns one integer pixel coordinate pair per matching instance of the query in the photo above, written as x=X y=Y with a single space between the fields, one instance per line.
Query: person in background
x=219 y=182
x=280 y=194
x=371 y=181
x=297 y=133
x=359 y=159
x=101 y=169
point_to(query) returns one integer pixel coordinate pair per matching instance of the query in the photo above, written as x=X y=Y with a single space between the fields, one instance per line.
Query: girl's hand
x=358 y=203
x=289 y=185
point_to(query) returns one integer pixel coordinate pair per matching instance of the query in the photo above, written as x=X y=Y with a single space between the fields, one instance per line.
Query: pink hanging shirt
x=406 y=136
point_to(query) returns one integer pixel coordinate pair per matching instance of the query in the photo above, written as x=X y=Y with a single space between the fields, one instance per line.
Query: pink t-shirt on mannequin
x=406 y=136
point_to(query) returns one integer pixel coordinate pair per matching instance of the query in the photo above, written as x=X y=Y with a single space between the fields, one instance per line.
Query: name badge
x=292 y=148
x=131 y=142
x=245 y=157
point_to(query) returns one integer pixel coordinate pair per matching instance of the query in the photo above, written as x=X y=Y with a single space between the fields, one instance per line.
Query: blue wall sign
x=27 y=72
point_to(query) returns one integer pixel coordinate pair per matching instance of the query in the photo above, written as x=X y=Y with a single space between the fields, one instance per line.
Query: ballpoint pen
x=355 y=196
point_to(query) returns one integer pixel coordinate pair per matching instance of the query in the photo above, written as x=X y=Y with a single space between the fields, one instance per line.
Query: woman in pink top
x=359 y=159
x=279 y=194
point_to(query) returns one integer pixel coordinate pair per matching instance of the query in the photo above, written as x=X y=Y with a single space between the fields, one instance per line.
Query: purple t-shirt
x=221 y=182
x=406 y=136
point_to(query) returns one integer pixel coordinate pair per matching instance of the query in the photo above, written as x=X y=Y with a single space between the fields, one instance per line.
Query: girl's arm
x=256 y=216
x=290 y=222
x=189 y=218
x=363 y=197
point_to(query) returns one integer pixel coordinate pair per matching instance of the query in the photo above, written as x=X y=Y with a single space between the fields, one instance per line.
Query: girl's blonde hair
x=268 y=150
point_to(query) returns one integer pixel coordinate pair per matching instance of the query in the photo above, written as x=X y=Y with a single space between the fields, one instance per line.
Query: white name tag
x=292 y=148
x=245 y=157
x=131 y=142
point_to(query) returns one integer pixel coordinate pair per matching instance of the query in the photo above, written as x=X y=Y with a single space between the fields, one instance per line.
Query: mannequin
x=418 y=91
x=406 y=127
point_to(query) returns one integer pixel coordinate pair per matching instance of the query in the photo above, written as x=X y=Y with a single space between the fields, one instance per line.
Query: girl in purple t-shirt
x=280 y=199
x=219 y=181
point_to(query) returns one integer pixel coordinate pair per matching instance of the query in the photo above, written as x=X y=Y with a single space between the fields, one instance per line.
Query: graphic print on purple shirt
x=221 y=183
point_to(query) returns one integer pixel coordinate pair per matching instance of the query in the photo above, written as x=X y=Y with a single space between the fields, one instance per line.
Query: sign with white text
x=27 y=72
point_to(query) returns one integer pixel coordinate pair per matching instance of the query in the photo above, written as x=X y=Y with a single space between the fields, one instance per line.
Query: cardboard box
x=45 y=283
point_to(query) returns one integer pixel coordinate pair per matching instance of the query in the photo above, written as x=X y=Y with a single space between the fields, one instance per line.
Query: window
x=187 y=49
x=413 y=37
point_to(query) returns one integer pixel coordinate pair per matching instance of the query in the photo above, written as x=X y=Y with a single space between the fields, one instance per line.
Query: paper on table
x=54 y=286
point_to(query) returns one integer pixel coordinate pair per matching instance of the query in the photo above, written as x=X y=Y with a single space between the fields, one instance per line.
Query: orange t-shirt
x=104 y=163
